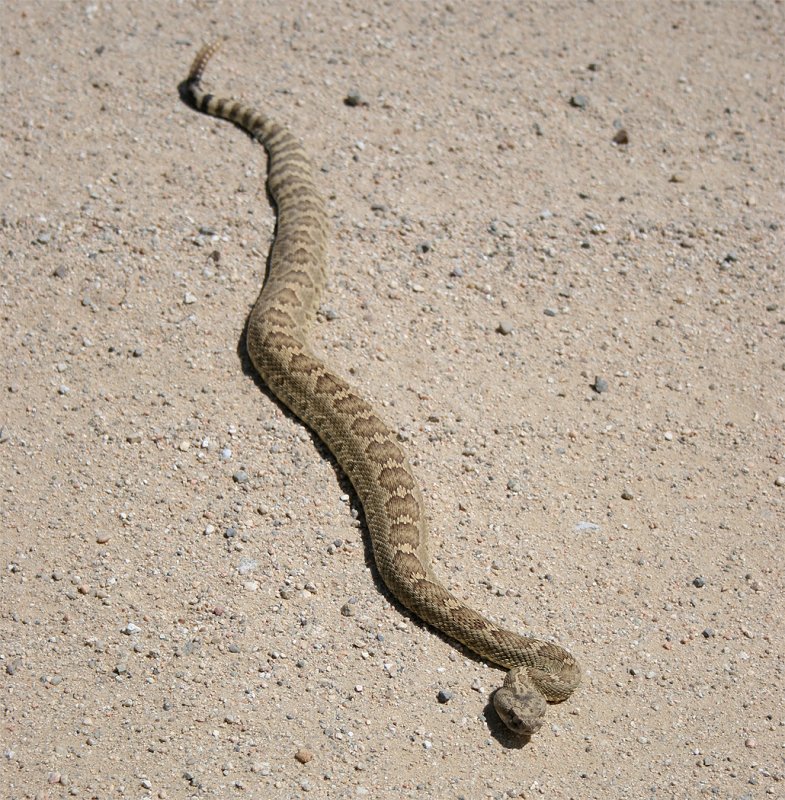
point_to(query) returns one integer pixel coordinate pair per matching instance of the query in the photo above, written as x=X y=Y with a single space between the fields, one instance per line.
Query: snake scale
x=365 y=447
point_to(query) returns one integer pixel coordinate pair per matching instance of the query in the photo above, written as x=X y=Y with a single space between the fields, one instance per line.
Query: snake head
x=521 y=712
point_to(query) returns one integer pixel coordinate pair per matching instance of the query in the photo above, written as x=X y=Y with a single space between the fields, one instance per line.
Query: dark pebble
x=708 y=633
x=621 y=136
x=423 y=247
x=444 y=696
x=699 y=582
x=579 y=101
x=230 y=533
x=600 y=385
x=354 y=98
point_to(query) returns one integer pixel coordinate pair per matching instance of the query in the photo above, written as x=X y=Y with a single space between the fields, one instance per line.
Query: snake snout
x=521 y=713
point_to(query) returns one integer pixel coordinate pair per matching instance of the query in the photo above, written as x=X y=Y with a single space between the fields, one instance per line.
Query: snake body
x=365 y=447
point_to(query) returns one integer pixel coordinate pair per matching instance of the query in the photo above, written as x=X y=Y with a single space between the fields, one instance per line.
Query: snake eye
x=519 y=725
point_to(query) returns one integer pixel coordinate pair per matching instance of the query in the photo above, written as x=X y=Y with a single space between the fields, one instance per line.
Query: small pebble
x=708 y=633
x=247 y=566
x=241 y=476
x=600 y=385
x=699 y=582
x=444 y=696
x=303 y=755
x=779 y=480
x=550 y=312
x=621 y=137
x=627 y=495
x=504 y=327
x=579 y=101
x=354 y=98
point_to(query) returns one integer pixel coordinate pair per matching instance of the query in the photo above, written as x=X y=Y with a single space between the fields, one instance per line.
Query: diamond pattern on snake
x=367 y=450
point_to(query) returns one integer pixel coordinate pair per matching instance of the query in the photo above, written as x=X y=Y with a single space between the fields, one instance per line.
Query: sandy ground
x=167 y=631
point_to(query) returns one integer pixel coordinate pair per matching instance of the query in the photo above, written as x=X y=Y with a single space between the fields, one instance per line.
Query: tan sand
x=171 y=629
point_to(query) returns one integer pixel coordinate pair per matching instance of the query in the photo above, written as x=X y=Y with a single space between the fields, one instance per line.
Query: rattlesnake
x=365 y=447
